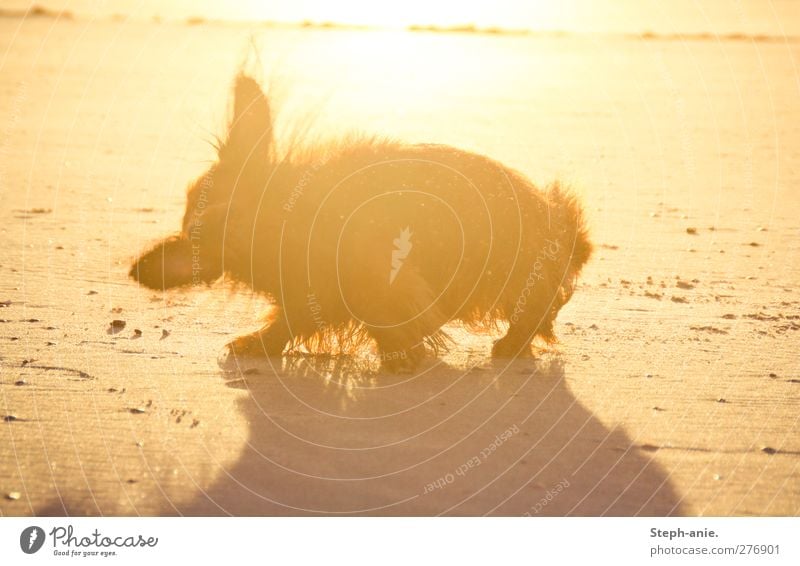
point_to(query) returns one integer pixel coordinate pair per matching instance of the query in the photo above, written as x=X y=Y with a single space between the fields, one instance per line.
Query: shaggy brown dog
x=370 y=239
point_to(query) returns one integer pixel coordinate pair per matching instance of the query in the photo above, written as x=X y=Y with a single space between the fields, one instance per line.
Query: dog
x=371 y=240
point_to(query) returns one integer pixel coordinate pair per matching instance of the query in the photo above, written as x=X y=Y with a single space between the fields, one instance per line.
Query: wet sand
x=674 y=390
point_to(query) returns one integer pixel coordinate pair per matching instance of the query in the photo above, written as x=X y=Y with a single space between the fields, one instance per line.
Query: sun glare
x=410 y=12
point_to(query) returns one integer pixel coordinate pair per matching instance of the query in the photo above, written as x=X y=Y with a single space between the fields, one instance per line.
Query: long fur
x=370 y=239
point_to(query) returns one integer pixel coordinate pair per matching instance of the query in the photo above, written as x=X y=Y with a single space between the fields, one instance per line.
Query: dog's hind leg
x=524 y=327
x=516 y=342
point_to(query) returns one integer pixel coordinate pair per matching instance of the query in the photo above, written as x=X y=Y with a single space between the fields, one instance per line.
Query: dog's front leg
x=269 y=341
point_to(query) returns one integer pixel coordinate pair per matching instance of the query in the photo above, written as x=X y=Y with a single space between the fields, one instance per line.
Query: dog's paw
x=247 y=347
x=505 y=348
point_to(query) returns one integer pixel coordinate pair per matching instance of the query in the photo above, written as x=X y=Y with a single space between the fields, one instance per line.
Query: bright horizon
x=772 y=17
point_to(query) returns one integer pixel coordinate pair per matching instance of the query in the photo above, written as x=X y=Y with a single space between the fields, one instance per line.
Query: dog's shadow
x=333 y=435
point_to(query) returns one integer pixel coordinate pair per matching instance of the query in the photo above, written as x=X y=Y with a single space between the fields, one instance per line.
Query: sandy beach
x=674 y=389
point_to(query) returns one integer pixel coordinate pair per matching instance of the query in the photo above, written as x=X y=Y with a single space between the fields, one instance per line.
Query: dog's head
x=219 y=201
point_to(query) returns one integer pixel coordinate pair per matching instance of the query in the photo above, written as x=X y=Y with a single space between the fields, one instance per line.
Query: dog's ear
x=250 y=134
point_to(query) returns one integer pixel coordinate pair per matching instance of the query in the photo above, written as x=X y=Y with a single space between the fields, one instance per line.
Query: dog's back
x=404 y=238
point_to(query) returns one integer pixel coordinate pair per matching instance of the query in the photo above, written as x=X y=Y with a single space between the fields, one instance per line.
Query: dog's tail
x=570 y=238
x=569 y=225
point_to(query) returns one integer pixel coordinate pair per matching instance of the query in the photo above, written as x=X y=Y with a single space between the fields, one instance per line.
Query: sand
x=675 y=387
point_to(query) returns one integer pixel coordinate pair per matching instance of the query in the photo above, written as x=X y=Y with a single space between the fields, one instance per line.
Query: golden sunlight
x=418 y=258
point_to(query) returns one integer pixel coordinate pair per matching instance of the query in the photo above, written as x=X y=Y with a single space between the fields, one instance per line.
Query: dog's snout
x=168 y=264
